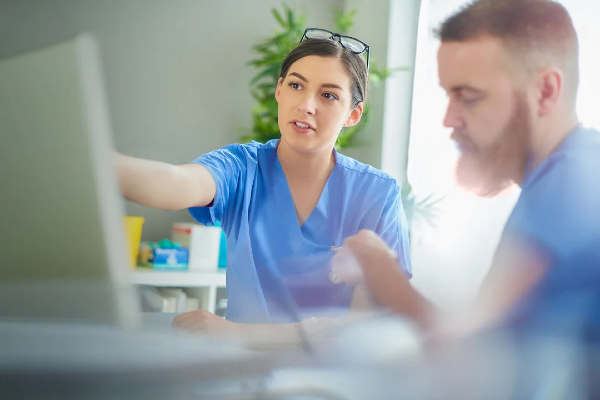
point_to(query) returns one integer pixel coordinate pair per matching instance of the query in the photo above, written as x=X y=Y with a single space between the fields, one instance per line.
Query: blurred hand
x=359 y=253
x=345 y=268
x=368 y=249
x=205 y=322
x=387 y=284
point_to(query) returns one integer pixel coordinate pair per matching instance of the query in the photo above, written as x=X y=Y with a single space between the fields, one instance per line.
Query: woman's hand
x=205 y=322
x=255 y=336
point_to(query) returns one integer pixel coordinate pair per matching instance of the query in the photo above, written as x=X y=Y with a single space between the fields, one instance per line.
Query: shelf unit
x=206 y=283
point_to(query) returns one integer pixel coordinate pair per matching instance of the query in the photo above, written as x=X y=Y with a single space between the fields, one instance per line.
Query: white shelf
x=142 y=276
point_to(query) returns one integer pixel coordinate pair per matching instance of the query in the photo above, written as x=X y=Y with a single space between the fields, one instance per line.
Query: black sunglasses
x=354 y=45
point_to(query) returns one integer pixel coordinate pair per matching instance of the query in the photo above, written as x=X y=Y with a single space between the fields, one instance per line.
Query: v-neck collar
x=318 y=217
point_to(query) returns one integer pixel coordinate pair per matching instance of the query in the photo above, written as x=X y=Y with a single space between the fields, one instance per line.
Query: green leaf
x=290 y=16
x=375 y=79
x=278 y=17
x=300 y=22
x=344 y=22
x=271 y=70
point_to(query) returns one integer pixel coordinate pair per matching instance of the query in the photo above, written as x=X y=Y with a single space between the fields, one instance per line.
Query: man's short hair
x=538 y=33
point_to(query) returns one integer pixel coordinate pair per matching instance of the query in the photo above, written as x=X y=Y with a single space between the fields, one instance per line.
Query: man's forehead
x=476 y=63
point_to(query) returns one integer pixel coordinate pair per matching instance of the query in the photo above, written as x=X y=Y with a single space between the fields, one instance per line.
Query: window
x=451 y=258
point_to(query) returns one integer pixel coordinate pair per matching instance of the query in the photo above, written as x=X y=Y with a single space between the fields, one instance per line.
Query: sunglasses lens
x=353 y=45
x=318 y=34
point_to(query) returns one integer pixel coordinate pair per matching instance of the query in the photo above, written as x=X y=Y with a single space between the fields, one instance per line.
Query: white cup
x=204 y=248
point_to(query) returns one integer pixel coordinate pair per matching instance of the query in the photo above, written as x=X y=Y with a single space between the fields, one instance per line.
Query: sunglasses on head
x=354 y=45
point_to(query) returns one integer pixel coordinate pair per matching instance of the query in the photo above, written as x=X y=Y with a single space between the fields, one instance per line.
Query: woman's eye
x=295 y=85
x=330 y=96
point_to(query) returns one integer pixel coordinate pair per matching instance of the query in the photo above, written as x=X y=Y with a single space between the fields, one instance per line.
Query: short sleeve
x=559 y=210
x=393 y=230
x=228 y=169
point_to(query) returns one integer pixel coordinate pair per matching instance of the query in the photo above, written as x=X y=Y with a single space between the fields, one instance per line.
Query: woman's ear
x=279 y=83
x=355 y=115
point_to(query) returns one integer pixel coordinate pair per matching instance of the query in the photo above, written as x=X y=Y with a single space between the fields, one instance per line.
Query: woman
x=286 y=205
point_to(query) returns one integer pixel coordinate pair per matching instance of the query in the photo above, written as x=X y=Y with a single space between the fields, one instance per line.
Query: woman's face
x=314 y=103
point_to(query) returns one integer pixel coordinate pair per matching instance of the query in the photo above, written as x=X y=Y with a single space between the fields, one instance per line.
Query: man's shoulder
x=574 y=165
x=560 y=205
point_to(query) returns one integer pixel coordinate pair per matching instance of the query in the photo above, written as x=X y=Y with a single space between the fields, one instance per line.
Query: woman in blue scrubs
x=287 y=205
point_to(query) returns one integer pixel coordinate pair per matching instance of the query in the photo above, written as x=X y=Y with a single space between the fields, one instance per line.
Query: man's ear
x=279 y=83
x=549 y=90
x=355 y=115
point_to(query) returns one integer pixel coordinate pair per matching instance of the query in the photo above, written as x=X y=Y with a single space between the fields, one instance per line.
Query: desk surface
x=70 y=357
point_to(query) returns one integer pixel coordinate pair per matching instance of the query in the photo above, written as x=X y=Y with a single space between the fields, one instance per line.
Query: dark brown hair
x=539 y=33
x=353 y=63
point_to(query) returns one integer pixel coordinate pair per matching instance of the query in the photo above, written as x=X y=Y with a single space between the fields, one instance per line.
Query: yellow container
x=133 y=235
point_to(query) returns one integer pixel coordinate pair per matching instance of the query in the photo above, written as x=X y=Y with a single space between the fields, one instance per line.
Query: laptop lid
x=62 y=247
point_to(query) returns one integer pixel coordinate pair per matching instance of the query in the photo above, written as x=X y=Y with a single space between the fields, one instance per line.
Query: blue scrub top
x=271 y=260
x=559 y=213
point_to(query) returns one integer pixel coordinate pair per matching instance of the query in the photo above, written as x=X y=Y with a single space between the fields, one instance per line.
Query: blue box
x=171 y=259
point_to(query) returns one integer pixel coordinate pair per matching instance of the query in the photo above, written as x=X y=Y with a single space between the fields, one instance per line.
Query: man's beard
x=488 y=171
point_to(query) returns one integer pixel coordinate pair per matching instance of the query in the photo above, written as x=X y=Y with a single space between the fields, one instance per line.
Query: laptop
x=68 y=311
x=62 y=247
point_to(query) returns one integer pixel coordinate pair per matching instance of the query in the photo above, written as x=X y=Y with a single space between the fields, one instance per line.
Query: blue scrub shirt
x=559 y=213
x=273 y=264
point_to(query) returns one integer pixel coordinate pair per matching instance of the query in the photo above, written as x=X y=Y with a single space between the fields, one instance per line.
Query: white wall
x=175 y=71
x=402 y=47
x=585 y=18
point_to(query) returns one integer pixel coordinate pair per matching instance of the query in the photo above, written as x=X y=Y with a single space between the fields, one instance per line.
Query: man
x=510 y=69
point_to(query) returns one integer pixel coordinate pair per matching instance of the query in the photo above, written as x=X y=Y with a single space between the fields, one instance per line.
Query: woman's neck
x=304 y=166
